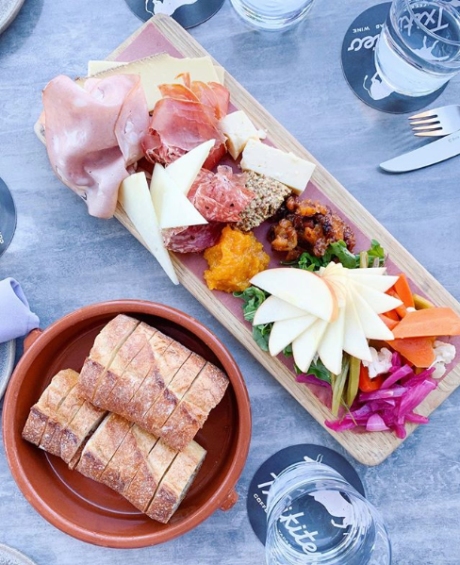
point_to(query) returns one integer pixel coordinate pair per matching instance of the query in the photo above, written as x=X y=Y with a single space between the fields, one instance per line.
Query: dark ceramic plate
x=7 y=216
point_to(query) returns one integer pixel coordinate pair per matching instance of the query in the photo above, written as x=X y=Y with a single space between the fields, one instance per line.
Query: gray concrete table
x=65 y=259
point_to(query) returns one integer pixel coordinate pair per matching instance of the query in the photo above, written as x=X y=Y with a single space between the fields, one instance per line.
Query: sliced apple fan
x=328 y=314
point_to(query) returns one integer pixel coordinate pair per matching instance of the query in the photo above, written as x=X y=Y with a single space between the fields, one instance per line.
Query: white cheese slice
x=283 y=167
x=185 y=169
x=220 y=73
x=95 y=67
x=238 y=130
x=172 y=206
x=163 y=69
x=135 y=199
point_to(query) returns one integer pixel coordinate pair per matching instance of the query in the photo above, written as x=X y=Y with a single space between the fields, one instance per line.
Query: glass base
x=269 y=23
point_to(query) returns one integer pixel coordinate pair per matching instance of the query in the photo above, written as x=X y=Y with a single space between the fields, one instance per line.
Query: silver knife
x=429 y=154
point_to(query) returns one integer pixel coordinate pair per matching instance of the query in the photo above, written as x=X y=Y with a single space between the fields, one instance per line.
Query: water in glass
x=314 y=516
x=419 y=47
x=272 y=14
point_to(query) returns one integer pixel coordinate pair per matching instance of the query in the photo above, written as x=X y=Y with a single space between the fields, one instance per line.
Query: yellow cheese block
x=287 y=168
x=162 y=69
x=95 y=67
x=134 y=197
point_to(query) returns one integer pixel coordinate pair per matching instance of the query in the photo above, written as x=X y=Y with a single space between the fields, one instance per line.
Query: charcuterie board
x=162 y=34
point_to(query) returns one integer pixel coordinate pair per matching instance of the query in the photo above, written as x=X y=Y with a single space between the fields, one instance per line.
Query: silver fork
x=436 y=122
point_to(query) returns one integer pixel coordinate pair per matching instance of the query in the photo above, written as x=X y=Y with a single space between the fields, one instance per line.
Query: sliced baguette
x=78 y=431
x=103 y=352
x=124 y=356
x=152 y=385
x=67 y=411
x=168 y=401
x=169 y=365
x=102 y=446
x=149 y=475
x=47 y=406
x=143 y=366
x=131 y=454
x=176 y=482
x=205 y=393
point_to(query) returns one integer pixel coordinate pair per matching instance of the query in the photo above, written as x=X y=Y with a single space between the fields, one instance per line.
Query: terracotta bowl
x=83 y=508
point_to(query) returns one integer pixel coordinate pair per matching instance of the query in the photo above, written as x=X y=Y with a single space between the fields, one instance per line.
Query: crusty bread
x=109 y=449
x=170 y=364
x=168 y=401
x=124 y=356
x=143 y=366
x=59 y=421
x=149 y=475
x=154 y=383
x=47 y=406
x=78 y=431
x=132 y=453
x=102 y=446
x=206 y=391
x=104 y=350
x=176 y=482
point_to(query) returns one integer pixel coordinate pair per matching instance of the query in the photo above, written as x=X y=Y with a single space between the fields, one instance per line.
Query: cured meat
x=93 y=135
x=193 y=239
x=187 y=116
x=220 y=196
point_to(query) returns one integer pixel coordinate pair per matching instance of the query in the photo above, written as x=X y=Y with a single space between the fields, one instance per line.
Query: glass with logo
x=272 y=14
x=418 y=50
x=314 y=516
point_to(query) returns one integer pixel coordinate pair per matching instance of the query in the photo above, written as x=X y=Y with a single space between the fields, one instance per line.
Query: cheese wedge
x=185 y=169
x=283 y=167
x=163 y=69
x=134 y=197
x=238 y=130
x=173 y=208
x=95 y=67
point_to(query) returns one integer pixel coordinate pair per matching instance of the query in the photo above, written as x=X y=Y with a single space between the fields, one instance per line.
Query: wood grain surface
x=369 y=449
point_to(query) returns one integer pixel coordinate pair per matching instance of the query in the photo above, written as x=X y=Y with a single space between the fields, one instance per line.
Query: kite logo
x=167 y=7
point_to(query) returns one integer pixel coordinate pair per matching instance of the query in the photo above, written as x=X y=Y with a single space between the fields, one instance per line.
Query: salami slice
x=193 y=239
x=221 y=196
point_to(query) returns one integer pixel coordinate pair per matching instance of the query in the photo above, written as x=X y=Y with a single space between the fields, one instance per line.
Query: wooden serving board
x=162 y=33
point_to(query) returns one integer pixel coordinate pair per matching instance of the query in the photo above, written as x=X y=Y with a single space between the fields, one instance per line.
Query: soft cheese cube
x=283 y=167
x=238 y=130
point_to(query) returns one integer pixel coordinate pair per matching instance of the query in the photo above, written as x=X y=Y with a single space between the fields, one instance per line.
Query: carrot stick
x=390 y=322
x=401 y=310
x=404 y=292
x=427 y=323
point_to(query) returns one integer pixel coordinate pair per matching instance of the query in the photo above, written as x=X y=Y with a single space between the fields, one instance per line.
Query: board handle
x=230 y=501
x=31 y=338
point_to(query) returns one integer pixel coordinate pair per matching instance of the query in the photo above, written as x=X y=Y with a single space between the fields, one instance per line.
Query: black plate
x=8 y=217
x=189 y=13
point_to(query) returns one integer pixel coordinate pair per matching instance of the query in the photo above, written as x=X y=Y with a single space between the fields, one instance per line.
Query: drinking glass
x=314 y=516
x=419 y=46
x=272 y=14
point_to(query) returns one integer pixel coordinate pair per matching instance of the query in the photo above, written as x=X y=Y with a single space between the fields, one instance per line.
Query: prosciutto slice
x=93 y=135
x=193 y=239
x=220 y=196
x=186 y=116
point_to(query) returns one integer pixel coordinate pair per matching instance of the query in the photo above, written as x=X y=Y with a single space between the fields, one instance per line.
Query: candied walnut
x=234 y=260
x=315 y=227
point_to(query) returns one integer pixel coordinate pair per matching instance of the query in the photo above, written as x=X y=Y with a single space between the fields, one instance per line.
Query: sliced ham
x=193 y=239
x=220 y=196
x=186 y=116
x=93 y=135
